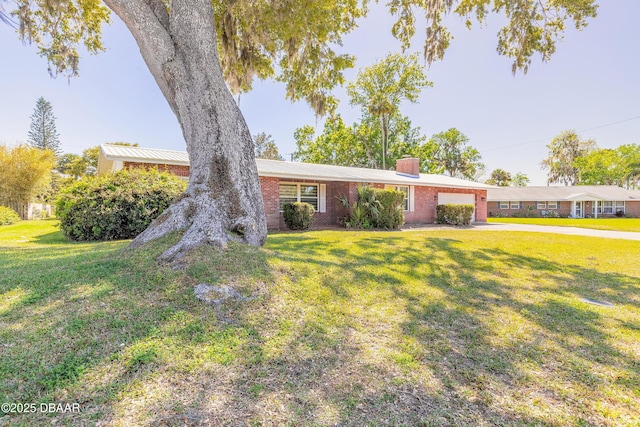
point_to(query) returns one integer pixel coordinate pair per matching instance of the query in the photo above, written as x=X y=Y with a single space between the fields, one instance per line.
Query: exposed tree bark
x=223 y=200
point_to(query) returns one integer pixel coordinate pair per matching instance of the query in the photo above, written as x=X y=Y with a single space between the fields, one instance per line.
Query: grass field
x=427 y=328
x=614 y=224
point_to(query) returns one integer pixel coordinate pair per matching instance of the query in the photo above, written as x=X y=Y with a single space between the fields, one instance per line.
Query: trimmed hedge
x=298 y=215
x=390 y=212
x=8 y=216
x=454 y=214
x=115 y=206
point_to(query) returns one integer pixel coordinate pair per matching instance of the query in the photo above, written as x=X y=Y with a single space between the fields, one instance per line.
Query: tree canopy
x=520 y=180
x=293 y=41
x=500 y=177
x=379 y=89
x=608 y=166
x=564 y=150
x=454 y=157
x=358 y=145
x=266 y=147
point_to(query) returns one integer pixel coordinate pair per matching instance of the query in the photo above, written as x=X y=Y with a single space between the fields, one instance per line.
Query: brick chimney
x=409 y=166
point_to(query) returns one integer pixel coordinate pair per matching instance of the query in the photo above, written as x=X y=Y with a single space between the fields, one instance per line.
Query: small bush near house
x=553 y=214
x=375 y=208
x=8 y=216
x=115 y=206
x=298 y=215
x=454 y=214
x=390 y=212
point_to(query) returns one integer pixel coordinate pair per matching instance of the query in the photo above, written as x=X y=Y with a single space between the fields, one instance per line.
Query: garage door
x=458 y=199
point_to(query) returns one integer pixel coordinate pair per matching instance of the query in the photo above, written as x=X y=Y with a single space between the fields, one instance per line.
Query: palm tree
x=383 y=108
x=500 y=177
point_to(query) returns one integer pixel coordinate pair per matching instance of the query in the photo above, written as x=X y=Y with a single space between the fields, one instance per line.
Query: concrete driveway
x=576 y=231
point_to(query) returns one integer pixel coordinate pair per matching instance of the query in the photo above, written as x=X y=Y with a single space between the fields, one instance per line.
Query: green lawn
x=428 y=328
x=616 y=224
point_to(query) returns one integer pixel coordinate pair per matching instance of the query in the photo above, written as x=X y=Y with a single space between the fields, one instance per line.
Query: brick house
x=321 y=185
x=580 y=201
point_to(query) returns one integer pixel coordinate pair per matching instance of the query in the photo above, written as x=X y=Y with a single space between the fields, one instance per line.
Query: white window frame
x=503 y=205
x=608 y=207
x=541 y=205
x=552 y=205
x=410 y=195
x=511 y=205
x=298 y=195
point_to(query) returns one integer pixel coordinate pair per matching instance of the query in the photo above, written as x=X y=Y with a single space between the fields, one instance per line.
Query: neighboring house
x=581 y=201
x=322 y=185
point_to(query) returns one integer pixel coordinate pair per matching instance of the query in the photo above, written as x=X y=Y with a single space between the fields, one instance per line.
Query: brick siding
x=426 y=200
x=632 y=209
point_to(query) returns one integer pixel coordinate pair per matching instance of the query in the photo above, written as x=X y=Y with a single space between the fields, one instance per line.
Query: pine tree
x=43 y=133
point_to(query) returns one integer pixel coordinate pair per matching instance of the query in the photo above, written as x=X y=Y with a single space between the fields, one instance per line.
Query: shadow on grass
x=347 y=329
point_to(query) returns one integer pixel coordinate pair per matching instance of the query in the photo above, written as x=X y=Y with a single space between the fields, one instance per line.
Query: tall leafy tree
x=520 y=180
x=266 y=148
x=380 y=89
x=200 y=50
x=338 y=144
x=601 y=167
x=358 y=145
x=609 y=166
x=564 y=150
x=42 y=132
x=454 y=157
x=24 y=172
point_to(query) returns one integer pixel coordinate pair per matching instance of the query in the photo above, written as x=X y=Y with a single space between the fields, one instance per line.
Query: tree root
x=199 y=219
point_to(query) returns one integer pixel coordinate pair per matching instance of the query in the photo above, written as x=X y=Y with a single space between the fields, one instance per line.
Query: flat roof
x=295 y=170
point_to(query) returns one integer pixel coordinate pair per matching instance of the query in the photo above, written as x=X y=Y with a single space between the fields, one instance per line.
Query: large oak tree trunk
x=223 y=200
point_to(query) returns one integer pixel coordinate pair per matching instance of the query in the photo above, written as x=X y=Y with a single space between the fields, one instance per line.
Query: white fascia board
x=406 y=181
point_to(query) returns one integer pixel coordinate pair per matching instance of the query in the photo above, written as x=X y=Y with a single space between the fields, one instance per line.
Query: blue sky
x=592 y=85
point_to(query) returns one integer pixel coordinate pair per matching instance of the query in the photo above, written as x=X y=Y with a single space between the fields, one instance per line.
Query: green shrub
x=115 y=206
x=375 y=208
x=8 y=216
x=391 y=209
x=454 y=214
x=298 y=215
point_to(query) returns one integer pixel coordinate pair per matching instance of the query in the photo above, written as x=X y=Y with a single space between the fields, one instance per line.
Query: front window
x=504 y=205
x=542 y=205
x=309 y=194
x=290 y=193
x=515 y=205
x=553 y=205
x=608 y=207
